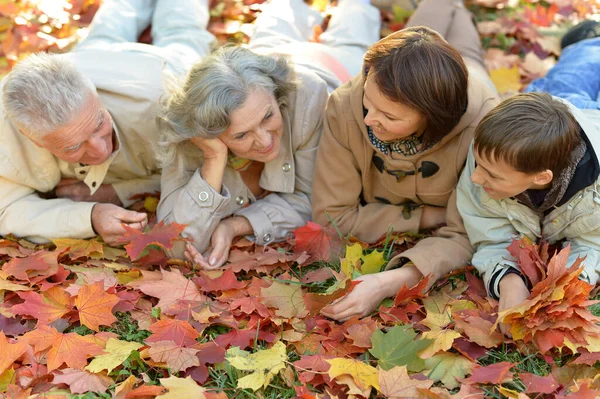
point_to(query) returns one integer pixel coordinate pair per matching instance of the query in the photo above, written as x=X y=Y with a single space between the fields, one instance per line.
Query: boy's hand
x=513 y=292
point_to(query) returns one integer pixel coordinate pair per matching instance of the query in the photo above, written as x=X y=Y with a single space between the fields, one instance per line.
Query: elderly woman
x=240 y=136
x=396 y=139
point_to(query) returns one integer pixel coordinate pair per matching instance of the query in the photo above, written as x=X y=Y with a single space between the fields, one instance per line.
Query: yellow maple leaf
x=439 y=310
x=7 y=378
x=181 y=388
x=352 y=260
x=442 y=341
x=506 y=80
x=372 y=262
x=364 y=375
x=117 y=352
x=265 y=364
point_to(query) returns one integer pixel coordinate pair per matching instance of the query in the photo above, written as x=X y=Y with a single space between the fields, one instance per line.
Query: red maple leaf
x=537 y=384
x=321 y=243
x=226 y=281
x=160 y=235
x=47 y=307
x=178 y=331
x=529 y=259
x=41 y=263
x=493 y=374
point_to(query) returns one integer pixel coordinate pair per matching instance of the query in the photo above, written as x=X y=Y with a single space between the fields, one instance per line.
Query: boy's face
x=500 y=180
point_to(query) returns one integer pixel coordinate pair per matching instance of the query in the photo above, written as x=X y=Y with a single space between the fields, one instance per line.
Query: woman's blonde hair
x=213 y=89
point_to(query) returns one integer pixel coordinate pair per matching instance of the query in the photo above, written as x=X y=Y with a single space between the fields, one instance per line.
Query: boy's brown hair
x=531 y=132
x=418 y=68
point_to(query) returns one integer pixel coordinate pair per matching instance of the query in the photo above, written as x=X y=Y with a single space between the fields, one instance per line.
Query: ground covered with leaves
x=81 y=319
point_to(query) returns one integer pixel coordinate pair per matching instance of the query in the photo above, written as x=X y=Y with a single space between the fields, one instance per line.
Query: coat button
x=240 y=200
x=203 y=196
x=286 y=167
x=267 y=238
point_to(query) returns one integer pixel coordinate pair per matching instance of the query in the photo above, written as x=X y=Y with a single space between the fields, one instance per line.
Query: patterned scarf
x=409 y=146
x=237 y=163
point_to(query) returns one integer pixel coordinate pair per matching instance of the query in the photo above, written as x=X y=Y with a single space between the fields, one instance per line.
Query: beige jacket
x=188 y=199
x=130 y=85
x=492 y=224
x=364 y=202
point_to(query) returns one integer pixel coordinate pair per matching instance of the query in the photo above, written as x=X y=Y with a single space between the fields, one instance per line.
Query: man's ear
x=29 y=137
x=543 y=178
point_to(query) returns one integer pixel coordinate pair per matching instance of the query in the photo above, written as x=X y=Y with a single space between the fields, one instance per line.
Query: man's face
x=500 y=180
x=87 y=139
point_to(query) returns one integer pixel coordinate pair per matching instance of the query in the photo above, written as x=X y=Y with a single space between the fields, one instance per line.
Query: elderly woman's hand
x=211 y=148
x=220 y=243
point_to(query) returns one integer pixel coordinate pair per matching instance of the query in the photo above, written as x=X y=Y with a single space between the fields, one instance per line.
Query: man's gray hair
x=213 y=89
x=45 y=92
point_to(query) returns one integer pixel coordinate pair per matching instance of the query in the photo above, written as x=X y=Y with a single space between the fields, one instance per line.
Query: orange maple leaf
x=95 y=306
x=71 y=349
x=10 y=352
x=179 y=331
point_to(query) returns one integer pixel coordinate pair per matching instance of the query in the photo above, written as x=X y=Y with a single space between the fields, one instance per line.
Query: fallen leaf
x=80 y=381
x=398 y=347
x=364 y=375
x=285 y=298
x=95 y=306
x=396 y=383
x=181 y=388
x=449 y=368
x=117 y=352
x=264 y=364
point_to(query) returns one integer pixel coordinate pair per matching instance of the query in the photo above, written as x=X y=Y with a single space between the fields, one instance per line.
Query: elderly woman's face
x=256 y=128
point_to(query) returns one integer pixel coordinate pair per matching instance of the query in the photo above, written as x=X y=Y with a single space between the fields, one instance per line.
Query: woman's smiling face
x=256 y=128
x=388 y=119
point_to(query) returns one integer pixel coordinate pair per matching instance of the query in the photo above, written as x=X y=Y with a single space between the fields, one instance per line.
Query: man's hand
x=107 y=220
x=513 y=292
x=432 y=216
x=78 y=191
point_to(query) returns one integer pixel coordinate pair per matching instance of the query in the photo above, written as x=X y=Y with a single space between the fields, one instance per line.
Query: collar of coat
x=477 y=93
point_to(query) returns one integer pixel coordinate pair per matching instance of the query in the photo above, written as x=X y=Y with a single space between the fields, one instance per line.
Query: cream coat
x=130 y=85
x=492 y=224
x=188 y=199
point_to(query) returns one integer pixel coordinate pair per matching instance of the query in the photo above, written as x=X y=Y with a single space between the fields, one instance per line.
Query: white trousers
x=354 y=26
x=178 y=29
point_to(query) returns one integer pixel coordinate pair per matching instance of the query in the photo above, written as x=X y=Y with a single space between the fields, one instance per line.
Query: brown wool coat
x=364 y=202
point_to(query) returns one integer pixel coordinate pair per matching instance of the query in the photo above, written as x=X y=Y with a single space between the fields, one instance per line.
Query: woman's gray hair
x=45 y=92
x=213 y=89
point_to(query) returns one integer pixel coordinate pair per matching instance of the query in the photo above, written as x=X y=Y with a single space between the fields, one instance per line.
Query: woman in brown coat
x=396 y=139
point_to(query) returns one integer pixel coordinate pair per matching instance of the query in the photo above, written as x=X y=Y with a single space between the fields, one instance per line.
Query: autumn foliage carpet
x=81 y=319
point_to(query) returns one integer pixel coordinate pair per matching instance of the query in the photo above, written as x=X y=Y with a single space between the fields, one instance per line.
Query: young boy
x=532 y=170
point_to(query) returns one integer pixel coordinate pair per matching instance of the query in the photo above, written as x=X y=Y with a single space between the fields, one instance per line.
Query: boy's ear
x=543 y=178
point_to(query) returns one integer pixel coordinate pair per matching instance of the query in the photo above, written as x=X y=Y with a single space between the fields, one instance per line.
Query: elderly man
x=76 y=142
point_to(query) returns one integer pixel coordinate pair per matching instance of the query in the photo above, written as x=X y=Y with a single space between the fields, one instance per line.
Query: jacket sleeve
x=490 y=233
x=338 y=187
x=187 y=199
x=24 y=214
x=128 y=188
x=587 y=246
x=276 y=215
x=448 y=249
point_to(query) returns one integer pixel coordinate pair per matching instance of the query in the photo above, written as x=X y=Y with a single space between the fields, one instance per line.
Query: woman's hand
x=513 y=292
x=215 y=160
x=211 y=148
x=359 y=302
x=373 y=289
x=220 y=241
